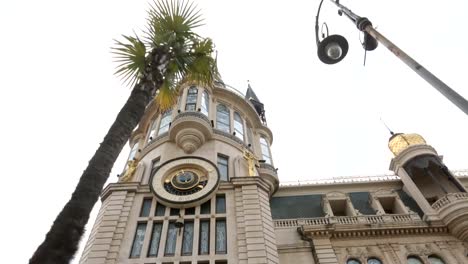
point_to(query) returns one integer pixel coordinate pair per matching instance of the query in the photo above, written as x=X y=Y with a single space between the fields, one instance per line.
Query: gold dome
x=399 y=142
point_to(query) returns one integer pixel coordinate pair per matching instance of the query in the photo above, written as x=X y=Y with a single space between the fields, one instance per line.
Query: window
x=171 y=240
x=340 y=207
x=238 y=126
x=205 y=208
x=265 y=150
x=223 y=167
x=187 y=241
x=223 y=119
x=205 y=103
x=190 y=211
x=138 y=240
x=146 y=207
x=160 y=210
x=174 y=211
x=221 y=204
x=220 y=242
x=152 y=131
x=204 y=243
x=155 y=239
x=191 y=102
x=373 y=261
x=353 y=261
x=133 y=151
x=414 y=260
x=391 y=205
x=435 y=260
x=165 y=122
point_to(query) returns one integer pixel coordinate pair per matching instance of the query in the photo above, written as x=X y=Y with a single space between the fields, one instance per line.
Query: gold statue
x=252 y=162
x=131 y=168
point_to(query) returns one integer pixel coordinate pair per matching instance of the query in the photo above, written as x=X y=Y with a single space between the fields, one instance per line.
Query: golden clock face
x=184 y=182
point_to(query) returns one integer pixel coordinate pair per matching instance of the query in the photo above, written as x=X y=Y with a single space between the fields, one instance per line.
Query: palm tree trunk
x=62 y=240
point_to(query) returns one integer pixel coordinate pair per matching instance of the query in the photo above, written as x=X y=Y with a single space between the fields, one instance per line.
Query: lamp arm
x=317 y=41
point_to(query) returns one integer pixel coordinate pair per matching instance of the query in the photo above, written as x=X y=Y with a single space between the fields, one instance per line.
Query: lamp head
x=179 y=222
x=332 y=49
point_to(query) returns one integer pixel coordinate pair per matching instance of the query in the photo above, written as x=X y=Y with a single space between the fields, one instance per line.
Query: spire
x=250 y=94
x=253 y=99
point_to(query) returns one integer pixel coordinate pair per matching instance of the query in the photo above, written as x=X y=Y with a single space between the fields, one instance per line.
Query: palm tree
x=169 y=54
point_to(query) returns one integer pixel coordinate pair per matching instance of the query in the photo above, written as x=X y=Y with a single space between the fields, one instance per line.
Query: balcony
x=453 y=210
x=269 y=173
x=190 y=130
x=361 y=225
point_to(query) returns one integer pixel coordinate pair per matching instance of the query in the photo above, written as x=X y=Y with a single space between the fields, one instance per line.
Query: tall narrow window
x=146 y=207
x=205 y=103
x=171 y=240
x=265 y=150
x=223 y=167
x=187 y=241
x=160 y=210
x=223 y=119
x=191 y=103
x=220 y=204
x=132 y=154
x=238 y=126
x=138 y=240
x=152 y=131
x=205 y=208
x=155 y=239
x=220 y=245
x=133 y=151
x=165 y=121
x=204 y=244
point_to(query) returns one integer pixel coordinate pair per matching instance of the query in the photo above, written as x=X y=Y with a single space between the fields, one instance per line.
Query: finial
x=389 y=130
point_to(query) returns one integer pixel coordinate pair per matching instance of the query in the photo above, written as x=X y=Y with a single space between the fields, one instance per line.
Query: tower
x=440 y=195
x=196 y=187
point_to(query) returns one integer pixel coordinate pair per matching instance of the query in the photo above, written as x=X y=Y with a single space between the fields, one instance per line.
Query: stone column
x=256 y=239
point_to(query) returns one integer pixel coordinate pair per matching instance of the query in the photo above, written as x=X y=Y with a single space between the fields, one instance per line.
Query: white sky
x=58 y=95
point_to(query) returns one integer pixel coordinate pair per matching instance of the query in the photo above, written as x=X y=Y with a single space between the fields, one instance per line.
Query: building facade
x=200 y=186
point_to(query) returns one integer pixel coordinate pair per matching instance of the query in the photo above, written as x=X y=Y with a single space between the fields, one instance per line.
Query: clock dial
x=184 y=182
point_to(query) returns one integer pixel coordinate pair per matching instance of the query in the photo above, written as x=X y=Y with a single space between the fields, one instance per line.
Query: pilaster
x=256 y=239
x=108 y=231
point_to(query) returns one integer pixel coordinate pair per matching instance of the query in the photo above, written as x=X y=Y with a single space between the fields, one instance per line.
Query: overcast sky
x=58 y=94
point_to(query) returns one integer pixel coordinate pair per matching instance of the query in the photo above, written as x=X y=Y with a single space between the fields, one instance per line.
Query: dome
x=399 y=142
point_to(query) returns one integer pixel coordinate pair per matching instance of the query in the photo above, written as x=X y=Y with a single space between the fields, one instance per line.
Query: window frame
x=168 y=115
x=191 y=96
x=226 y=158
x=239 y=133
x=267 y=158
x=225 y=127
x=205 y=103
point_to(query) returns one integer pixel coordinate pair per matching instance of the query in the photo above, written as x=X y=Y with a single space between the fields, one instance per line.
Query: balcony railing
x=348 y=220
x=448 y=199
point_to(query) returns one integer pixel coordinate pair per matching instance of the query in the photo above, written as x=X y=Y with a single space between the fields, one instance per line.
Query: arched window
x=414 y=260
x=165 y=121
x=205 y=103
x=353 y=261
x=373 y=261
x=238 y=126
x=152 y=131
x=223 y=119
x=132 y=154
x=433 y=259
x=265 y=150
x=191 y=102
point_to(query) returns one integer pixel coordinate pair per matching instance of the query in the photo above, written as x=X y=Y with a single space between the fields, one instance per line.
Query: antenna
x=389 y=130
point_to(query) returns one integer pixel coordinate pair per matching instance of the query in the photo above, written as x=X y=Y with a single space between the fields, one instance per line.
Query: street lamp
x=334 y=48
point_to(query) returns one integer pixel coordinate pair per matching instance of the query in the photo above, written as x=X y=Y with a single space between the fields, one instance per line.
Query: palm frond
x=167 y=95
x=172 y=21
x=131 y=59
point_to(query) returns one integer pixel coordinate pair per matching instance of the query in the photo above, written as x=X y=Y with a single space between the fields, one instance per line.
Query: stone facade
x=201 y=187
